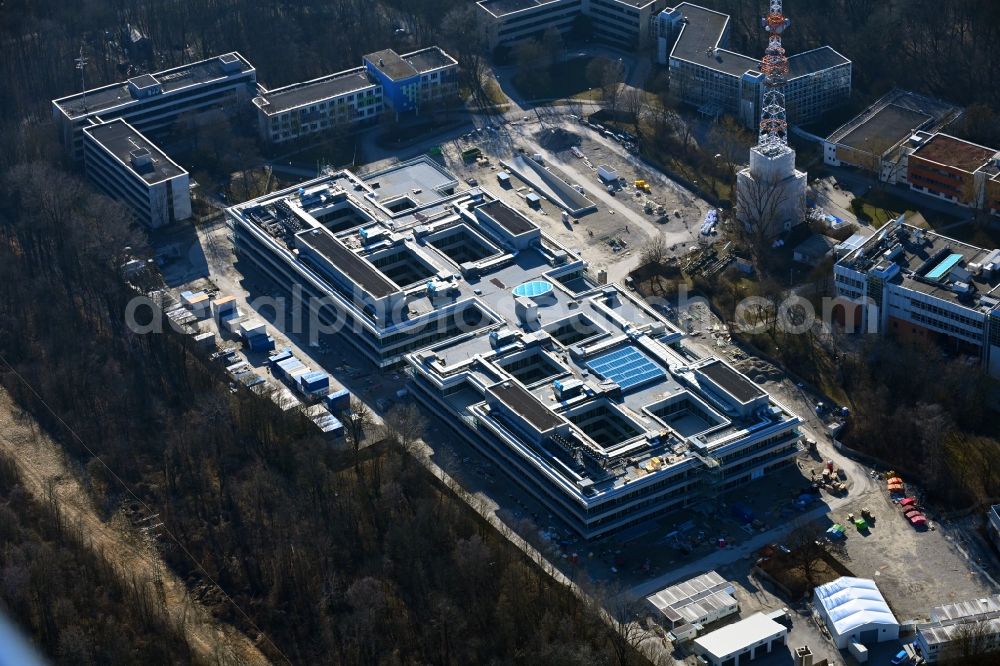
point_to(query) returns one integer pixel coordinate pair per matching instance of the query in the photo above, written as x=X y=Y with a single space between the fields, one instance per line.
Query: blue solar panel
x=628 y=367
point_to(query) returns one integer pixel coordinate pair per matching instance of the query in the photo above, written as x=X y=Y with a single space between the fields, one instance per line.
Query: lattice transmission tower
x=773 y=122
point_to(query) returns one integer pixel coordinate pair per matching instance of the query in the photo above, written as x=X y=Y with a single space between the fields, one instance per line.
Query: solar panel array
x=628 y=367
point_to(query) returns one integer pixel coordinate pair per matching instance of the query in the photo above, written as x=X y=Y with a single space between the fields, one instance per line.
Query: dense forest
x=69 y=599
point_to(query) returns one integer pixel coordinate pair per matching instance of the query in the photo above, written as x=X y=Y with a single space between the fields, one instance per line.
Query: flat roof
x=904 y=103
x=889 y=125
x=123 y=141
x=421 y=179
x=316 y=90
x=391 y=64
x=701 y=39
x=733 y=382
x=507 y=217
x=951 y=151
x=501 y=8
x=739 y=635
x=428 y=59
x=816 y=60
x=635 y=3
x=170 y=80
x=703 y=30
x=524 y=403
x=357 y=268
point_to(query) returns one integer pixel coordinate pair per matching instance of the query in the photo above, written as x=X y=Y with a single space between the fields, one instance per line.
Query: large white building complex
x=626 y=24
x=692 y=41
x=130 y=168
x=152 y=103
x=916 y=284
x=586 y=396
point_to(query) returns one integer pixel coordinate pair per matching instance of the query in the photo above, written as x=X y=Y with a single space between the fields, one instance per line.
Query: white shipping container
x=606 y=173
x=252 y=327
x=859 y=652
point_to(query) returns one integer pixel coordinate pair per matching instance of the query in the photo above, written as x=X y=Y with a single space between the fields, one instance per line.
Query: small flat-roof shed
x=741 y=642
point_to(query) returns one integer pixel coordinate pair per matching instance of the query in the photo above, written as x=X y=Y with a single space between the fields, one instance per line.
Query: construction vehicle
x=641 y=184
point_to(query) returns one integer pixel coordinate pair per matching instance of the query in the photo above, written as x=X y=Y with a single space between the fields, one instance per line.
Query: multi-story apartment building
x=692 y=41
x=129 y=168
x=414 y=80
x=580 y=392
x=916 y=284
x=336 y=100
x=624 y=24
x=152 y=103
x=955 y=170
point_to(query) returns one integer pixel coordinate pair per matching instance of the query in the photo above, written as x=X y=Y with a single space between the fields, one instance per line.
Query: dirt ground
x=44 y=470
x=608 y=238
x=914 y=570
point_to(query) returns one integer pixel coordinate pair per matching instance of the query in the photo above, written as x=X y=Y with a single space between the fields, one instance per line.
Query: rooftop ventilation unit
x=141 y=160
x=229 y=62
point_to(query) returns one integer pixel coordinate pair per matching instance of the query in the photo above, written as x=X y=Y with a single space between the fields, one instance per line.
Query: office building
x=413 y=81
x=957 y=171
x=152 y=103
x=962 y=630
x=692 y=41
x=854 y=611
x=581 y=392
x=128 y=167
x=343 y=99
x=386 y=81
x=741 y=642
x=882 y=136
x=624 y=24
x=917 y=284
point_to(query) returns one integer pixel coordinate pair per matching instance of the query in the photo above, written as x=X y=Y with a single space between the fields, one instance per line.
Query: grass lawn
x=335 y=152
x=881 y=206
x=566 y=78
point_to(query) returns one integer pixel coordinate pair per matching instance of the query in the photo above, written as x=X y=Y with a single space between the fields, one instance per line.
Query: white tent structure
x=855 y=612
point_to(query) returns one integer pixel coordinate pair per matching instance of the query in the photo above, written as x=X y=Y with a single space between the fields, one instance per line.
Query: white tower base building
x=771 y=192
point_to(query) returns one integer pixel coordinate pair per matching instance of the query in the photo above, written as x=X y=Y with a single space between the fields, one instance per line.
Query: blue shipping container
x=312 y=381
x=284 y=354
x=339 y=401
x=261 y=343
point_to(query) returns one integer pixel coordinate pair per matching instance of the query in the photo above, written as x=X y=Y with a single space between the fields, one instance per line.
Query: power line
x=148 y=510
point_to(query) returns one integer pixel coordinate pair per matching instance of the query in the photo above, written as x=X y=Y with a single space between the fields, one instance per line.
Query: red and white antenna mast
x=773 y=123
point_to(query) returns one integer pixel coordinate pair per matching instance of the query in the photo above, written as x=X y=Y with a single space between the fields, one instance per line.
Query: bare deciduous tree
x=654 y=251
x=758 y=204
x=405 y=425
x=358 y=420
